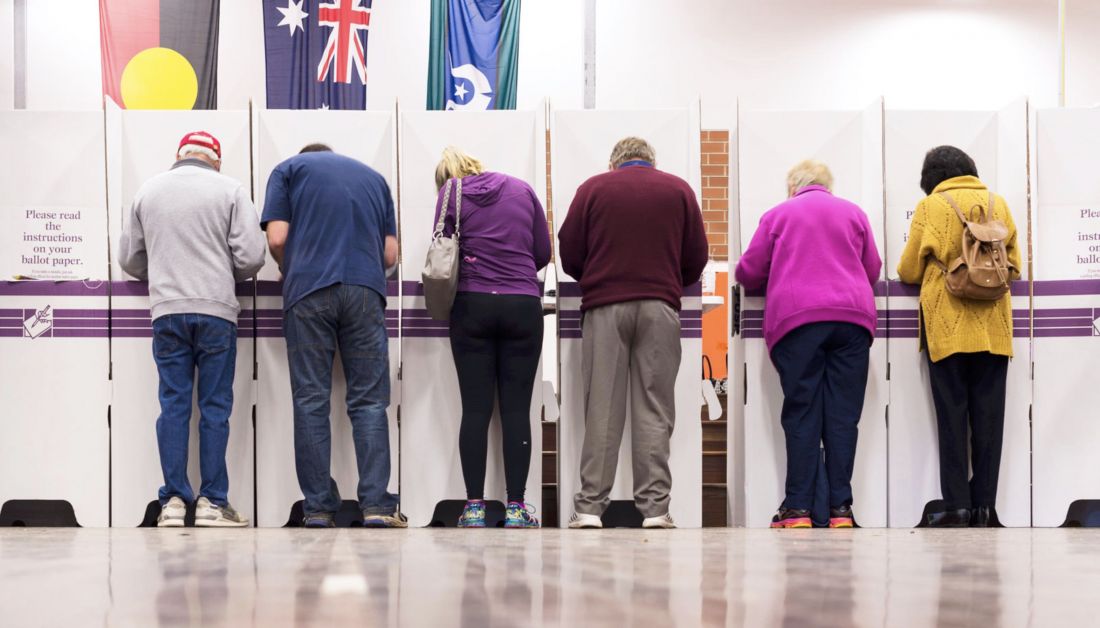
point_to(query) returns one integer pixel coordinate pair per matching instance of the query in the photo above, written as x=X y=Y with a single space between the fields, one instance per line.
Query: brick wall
x=715 y=152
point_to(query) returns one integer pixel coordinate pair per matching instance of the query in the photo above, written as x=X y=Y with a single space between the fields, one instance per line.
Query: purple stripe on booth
x=53 y=288
x=10 y=313
x=424 y=323
x=1067 y=287
x=1064 y=333
x=571 y=334
x=79 y=333
x=569 y=289
x=1064 y=322
x=81 y=323
x=427 y=333
x=11 y=333
x=1054 y=312
x=131 y=332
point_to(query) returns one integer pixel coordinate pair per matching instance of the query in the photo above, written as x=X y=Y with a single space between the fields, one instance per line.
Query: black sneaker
x=841 y=517
x=792 y=518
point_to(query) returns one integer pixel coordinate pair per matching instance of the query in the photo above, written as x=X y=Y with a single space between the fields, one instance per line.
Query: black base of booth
x=38 y=513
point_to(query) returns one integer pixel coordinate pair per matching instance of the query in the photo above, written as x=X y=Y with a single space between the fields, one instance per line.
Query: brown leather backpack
x=982 y=272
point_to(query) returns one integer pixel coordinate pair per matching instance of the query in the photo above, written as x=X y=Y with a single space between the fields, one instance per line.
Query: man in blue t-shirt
x=331 y=227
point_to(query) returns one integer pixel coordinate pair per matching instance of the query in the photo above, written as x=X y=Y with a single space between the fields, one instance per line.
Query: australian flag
x=316 y=53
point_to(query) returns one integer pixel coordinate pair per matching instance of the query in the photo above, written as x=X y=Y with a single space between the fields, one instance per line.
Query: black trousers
x=968 y=390
x=823 y=371
x=496 y=340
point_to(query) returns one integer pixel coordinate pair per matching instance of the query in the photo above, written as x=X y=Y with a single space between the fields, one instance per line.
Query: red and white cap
x=200 y=142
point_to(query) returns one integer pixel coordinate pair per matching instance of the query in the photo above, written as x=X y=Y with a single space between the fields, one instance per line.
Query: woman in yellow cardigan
x=968 y=342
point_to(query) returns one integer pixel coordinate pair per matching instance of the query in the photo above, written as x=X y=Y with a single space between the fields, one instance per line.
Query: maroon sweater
x=633 y=233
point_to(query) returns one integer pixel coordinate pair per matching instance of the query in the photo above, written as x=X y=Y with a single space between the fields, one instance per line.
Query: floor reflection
x=617 y=578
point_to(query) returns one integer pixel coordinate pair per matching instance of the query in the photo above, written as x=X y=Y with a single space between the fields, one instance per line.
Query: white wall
x=782 y=53
x=794 y=54
x=7 y=51
x=63 y=70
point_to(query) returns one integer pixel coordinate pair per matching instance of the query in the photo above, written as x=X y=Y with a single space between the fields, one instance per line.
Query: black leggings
x=496 y=340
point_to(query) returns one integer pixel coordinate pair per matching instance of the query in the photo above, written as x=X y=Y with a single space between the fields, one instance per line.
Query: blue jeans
x=353 y=319
x=182 y=343
x=823 y=371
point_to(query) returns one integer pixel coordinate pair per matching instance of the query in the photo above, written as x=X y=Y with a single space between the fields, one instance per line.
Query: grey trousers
x=631 y=353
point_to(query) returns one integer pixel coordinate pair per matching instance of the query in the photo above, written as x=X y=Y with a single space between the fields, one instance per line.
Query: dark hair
x=943 y=163
x=315 y=148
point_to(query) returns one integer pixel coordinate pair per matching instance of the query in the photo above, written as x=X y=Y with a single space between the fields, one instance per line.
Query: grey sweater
x=192 y=233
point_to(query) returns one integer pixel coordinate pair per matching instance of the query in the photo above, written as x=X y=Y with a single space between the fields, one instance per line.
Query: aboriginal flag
x=160 y=54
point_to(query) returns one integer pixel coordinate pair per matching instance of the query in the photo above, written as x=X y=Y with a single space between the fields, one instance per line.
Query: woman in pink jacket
x=816 y=256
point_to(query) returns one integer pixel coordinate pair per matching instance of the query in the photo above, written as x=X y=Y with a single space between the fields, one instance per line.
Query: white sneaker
x=664 y=521
x=579 y=520
x=210 y=515
x=172 y=514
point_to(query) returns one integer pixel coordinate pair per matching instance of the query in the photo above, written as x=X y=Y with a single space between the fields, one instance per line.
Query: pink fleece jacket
x=817 y=257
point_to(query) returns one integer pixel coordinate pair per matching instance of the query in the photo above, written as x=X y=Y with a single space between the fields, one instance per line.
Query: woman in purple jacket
x=817 y=257
x=496 y=323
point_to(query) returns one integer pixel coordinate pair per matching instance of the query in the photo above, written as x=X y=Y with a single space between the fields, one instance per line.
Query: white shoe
x=579 y=520
x=664 y=521
x=172 y=514
x=210 y=515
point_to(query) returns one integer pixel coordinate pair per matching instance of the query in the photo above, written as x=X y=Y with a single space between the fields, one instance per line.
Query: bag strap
x=955 y=206
x=446 y=203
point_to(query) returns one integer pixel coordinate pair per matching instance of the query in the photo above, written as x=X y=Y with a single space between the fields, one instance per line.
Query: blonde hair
x=456 y=164
x=809 y=172
x=630 y=148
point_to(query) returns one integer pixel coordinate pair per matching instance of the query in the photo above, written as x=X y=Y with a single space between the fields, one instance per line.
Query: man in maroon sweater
x=633 y=238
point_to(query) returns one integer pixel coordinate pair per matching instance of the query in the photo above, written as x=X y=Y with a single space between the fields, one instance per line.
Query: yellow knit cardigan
x=956 y=325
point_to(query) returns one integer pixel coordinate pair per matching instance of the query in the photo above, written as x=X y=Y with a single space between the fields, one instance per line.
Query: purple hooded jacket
x=504 y=239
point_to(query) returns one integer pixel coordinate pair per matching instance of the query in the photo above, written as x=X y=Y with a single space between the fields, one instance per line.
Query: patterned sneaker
x=580 y=520
x=319 y=520
x=841 y=517
x=211 y=515
x=664 y=521
x=473 y=515
x=792 y=518
x=520 y=515
x=375 y=520
x=172 y=514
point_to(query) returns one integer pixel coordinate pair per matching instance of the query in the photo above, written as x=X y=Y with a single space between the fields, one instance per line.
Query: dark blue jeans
x=182 y=343
x=823 y=371
x=353 y=320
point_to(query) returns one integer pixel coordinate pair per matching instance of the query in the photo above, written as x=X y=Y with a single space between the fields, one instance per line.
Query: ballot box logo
x=37 y=322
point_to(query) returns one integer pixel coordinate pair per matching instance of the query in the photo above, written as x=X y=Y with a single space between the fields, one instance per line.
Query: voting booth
x=997 y=141
x=55 y=433
x=140 y=145
x=369 y=137
x=512 y=142
x=769 y=143
x=1065 y=430
x=581 y=143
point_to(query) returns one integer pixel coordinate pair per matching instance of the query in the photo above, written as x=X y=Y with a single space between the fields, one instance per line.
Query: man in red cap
x=193 y=233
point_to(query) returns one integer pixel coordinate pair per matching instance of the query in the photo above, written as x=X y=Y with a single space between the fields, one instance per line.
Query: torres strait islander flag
x=474 y=54
x=160 y=54
x=316 y=53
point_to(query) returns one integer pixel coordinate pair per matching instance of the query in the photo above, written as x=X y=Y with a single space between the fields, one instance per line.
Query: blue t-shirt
x=340 y=212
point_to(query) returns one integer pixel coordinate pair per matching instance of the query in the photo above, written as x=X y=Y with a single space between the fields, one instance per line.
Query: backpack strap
x=955 y=206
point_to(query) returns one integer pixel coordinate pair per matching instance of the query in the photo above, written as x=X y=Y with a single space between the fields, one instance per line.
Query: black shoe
x=983 y=517
x=792 y=518
x=949 y=519
x=841 y=517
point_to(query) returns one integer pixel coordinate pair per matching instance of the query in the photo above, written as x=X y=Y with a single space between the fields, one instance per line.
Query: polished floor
x=437 y=577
